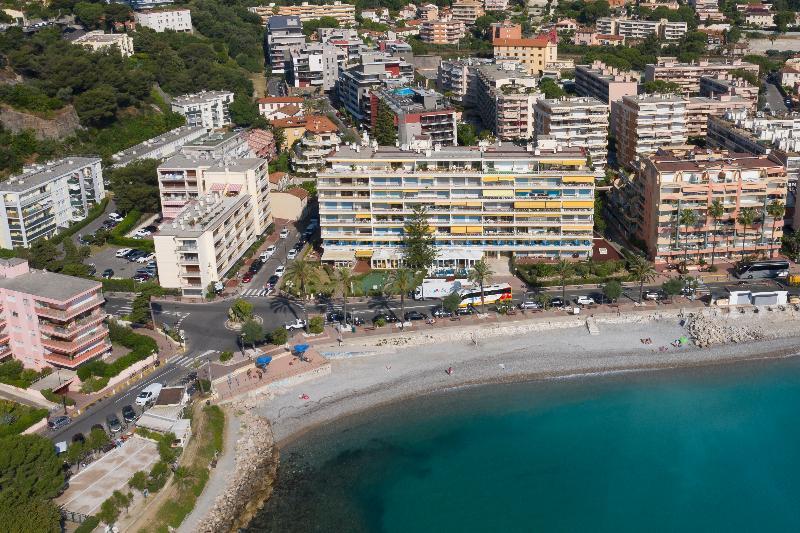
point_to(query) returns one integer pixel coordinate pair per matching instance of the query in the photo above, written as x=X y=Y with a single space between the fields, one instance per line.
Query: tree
x=279 y=136
x=419 y=252
x=551 y=89
x=466 y=134
x=138 y=481
x=302 y=275
x=661 y=87
x=97 y=439
x=481 y=274
x=240 y=311
x=401 y=282
x=746 y=75
x=39 y=515
x=98 y=106
x=385 y=130
x=252 y=333
x=451 y=302
x=747 y=217
x=776 y=210
x=672 y=287
x=279 y=336
x=311 y=26
x=687 y=219
x=109 y=511
x=135 y=186
x=612 y=290
x=564 y=269
x=642 y=271
x=89 y=14
x=244 y=112
x=716 y=211
x=344 y=280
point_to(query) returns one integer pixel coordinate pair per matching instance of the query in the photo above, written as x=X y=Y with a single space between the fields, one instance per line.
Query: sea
x=703 y=449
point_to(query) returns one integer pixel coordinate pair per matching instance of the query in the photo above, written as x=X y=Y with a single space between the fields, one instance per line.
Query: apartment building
x=158 y=147
x=707 y=10
x=345 y=14
x=641 y=29
x=495 y=5
x=98 y=40
x=645 y=123
x=271 y=107
x=467 y=11
x=209 y=109
x=159 y=20
x=314 y=66
x=581 y=122
x=497 y=200
x=217 y=145
x=533 y=53
x=50 y=320
x=505 y=99
x=373 y=71
x=647 y=207
x=320 y=139
x=699 y=108
x=442 y=31
x=182 y=179
x=47 y=197
x=206 y=238
x=688 y=75
x=729 y=86
x=282 y=33
x=505 y=30
x=429 y=12
x=607 y=84
x=419 y=114
x=459 y=78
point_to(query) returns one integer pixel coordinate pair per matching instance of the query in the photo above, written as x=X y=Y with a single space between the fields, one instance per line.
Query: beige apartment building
x=467 y=11
x=344 y=13
x=687 y=75
x=645 y=123
x=98 y=40
x=442 y=31
x=499 y=200
x=505 y=98
x=533 y=53
x=581 y=121
x=699 y=108
x=605 y=83
x=201 y=244
x=647 y=206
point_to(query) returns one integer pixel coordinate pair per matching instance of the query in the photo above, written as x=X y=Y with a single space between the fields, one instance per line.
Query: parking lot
x=105 y=258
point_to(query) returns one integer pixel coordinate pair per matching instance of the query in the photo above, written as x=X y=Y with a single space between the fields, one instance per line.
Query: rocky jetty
x=711 y=331
x=252 y=479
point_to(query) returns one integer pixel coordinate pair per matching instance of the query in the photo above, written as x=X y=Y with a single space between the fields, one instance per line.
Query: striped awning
x=217 y=187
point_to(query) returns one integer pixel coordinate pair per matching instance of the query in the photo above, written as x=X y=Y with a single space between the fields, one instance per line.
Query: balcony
x=73 y=362
x=74 y=329
x=69 y=347
x=66 y=314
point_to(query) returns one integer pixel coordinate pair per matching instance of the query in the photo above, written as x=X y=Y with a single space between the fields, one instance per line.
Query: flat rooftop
x=199 y=216
x=200 y=98
x=236 y=165
x=461 y=153
x=211 y=140
x=702 y=160
x=43 y=173
x=49 y=285
x=580 y=102
x=156 y=143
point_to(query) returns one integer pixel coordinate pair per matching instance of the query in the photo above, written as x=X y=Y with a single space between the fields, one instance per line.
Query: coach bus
x=491 y=294
x=763 y=269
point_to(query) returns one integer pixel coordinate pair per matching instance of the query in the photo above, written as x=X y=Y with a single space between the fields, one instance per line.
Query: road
x=775 y=99
x=95 y=224
x=275 y=86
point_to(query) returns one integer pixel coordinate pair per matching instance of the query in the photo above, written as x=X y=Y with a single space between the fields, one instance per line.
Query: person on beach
x=450 y=371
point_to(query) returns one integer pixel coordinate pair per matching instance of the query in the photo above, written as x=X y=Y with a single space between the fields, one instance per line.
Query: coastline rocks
x=706 y=331
x=250 y=484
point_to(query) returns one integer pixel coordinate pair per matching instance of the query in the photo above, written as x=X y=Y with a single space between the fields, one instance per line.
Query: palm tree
x=344 y=277
x=776 y=210
x=687 y=218
x=302 y=275
x=747 y=217
x=715 y=211
x=643 y=272
x=564 y=268
x=482 y=275
x=401 y=282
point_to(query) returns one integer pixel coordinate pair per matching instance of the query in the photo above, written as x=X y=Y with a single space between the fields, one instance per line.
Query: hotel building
x=687 y=75
x=48 y=319
x=494 y=199
x=647 y=207
x=645 y=123
x=581 y=122
x=44 y=198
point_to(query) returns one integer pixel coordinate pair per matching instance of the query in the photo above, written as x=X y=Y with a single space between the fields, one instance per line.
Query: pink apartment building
x=49 y=319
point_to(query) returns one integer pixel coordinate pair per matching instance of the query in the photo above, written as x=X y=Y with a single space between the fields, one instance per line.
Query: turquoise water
x=702 y=450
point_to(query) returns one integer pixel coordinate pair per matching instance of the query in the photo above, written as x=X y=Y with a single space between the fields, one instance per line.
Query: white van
x=149 y=394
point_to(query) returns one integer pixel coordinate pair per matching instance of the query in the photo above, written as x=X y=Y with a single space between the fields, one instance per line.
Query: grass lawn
x=16 y=418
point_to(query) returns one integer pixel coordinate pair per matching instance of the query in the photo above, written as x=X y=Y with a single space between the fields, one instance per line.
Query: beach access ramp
x=591 y=325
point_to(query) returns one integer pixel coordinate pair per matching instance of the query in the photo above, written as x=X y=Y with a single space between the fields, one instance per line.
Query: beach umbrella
x=684 y=340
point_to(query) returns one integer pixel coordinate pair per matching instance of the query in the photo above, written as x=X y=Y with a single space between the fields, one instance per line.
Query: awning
x=553 y=205
x=530 y=205
x=364 y=253
x=234 y=187
x=578 y=179
x=490 y=179
x=579 y=203
x=334 y=255
x=500 y=193
x=217 y=187
x=473 y=204
x=474 y=229
x=458 y=229
x=363 y=215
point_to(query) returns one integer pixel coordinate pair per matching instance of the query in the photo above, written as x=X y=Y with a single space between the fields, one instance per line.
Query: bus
x=491 y=294
x=763 y=269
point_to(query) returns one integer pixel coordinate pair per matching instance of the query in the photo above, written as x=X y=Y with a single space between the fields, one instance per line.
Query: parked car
x=387 y=317
x=142 y=277
x=114 y=425
x=148 y=394
x=652 y=295
x=584 y=300
x=415 y=315
x=122 y=252
x=141 y=234
x=133 y=255
x=151 y=228
x=292 y=254
x=108 y=273
x=339 y=316
x=128 y=413
x=284 y=233
x=255 y=266
x=58 y=422
x=297 y=323
x=557 y=301
x=468 y=310
x=219 y=287
x=116 y=217
x=528 y=304
x=247 y=278
x=268 y=252
x=273 y=280
x=441 y=312
x=146 y=258
x=280 y=271
x=91 y=269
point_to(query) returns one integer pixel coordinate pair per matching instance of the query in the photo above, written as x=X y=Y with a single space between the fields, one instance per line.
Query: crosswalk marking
x=253 y=293
x=187 y=361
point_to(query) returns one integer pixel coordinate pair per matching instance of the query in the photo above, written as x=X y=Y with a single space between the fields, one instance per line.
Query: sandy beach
x=370 y=373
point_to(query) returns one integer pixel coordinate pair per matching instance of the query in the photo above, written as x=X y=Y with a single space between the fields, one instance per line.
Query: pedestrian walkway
x=189 y=360
x=255 y=293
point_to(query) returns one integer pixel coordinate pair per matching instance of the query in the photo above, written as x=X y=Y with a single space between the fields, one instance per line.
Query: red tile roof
x=280 y=100
x=299 y=192
x=320 y=124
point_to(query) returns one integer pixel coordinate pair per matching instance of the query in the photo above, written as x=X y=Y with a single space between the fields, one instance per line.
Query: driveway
x=93 y=226
x=775 y=99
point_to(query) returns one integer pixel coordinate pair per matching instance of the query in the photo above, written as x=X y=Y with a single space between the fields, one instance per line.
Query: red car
x=247 y=278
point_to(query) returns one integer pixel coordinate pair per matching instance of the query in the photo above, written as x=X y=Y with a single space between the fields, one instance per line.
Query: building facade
x=687 y=75
x=581 y=121
x=499 y=200
x=314 y=66
x=419 y=114
x=159 y=147
x=729 y=86
x=700 y=108
x=373 y=71
x=209 y=109
x=282 y=33
x=467 y=11
x=505 y=101
x=442 y=31
x=178 y=20
x=320 y=139
x=605 y=83
x=641 y=29
x=459 y=78
x=50 y=320
x=45 y=198
x=645 y=123
x=98 y=40
x=533 y=53
x=344 y=13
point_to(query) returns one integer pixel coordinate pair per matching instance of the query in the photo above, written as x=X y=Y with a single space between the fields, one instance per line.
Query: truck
x=149 y=394
x=439 y=288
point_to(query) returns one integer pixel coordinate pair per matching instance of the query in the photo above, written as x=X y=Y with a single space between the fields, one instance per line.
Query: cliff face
x=62 y=125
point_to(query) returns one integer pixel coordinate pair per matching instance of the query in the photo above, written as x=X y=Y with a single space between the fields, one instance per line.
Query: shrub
x=380 y=322
x=88 y=525
x=279 y=336
x=225 y=356
x=51 y=396
x=241 y=311
x=13 y=373
x=94 y=212
x=138 y=481
x=141 y=347
x=93 y=384
x=16 y=418
x=316 y=325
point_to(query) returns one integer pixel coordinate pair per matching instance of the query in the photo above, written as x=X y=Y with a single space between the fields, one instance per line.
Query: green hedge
x=141 y=347
x=94 y=213
x=118 y=285
x=117 y=235
x=13 y=373
x=16 y=418
x=89 y=525
x=51 y=396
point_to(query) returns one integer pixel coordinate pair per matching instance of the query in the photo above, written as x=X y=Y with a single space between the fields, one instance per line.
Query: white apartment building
x=45 y=198
x=159 y=147
x=505 y=99
x=497 y=200
x=373 y=71
x=314 y=66
x=581 y=122
x=645 y=123
x=688 y=75
x=218 y=145
x=203 y=242
x=97 y=40
x=208 y=109
x=495 y=5
x=640 y=29
x=178 y=20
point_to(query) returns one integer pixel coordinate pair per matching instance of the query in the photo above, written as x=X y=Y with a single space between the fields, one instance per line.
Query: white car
x=298 y=323
x=142 y=233
x=292 y=254
x=584 y=300
x=266 y=254
x=284 y=233
x=116 y=217
x=122 y=251
x=280 y=271
x=146 y=259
